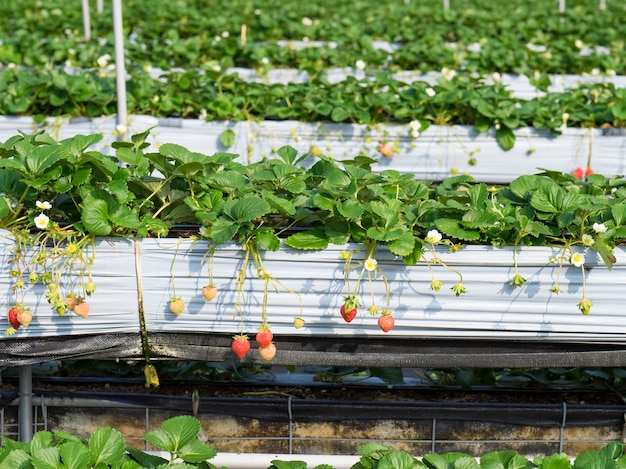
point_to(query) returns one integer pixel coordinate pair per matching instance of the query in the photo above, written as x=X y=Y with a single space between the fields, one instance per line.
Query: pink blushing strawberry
x=386 y=321
x=267 y=353
x=385 y=149
x=81 y=308
x=24 y=316
x=177 y=306
x=209 y=292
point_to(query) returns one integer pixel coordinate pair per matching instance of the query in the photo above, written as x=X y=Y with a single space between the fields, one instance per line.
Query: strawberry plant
x=106 y=448
x=278 y=203
x=480 y=38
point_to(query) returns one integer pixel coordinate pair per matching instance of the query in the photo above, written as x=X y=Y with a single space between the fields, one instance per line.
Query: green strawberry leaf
x=195 y=451
x=107 y=445
x=268 y=241
x=95 y=217
x=451 y=228
x=311 y=240
x=350 y=208
x=75 y=456
x=402 y=246
x=227 y=138
x=398 y=460
x=505 y=138
x=246 y=209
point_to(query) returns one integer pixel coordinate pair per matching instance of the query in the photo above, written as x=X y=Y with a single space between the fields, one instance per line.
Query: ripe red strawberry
x=12 y=316
x=348 y=314
x=24 y=316
x=348 y=309
x=264 y=336
x=81 y=308
x=267 y=353
x=588 y=171
x=298 y=322
x=209 y=292
x=177 y=305
x=240 y=345
x=386 y=321
x=578 y=173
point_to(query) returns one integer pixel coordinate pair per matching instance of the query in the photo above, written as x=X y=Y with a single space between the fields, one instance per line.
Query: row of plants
x=59 y=196
x=514 y=38
x=610 y=379
x=178 y=439
x=457 y=100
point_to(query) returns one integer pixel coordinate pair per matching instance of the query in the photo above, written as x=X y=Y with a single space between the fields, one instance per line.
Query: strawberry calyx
x=351 y=302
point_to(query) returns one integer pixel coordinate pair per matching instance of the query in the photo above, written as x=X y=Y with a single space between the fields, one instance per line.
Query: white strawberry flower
x=360 y=64
x=447 y=73
x=433 y=237
x=41 y=221
x=45 y=205
x=204 y=232
x=414 y=128
x=588 y=240
x=599 y=227
x=430 y=92
x=103 y=60
x=474 y=47
x=577 y=259
x=370 y=264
